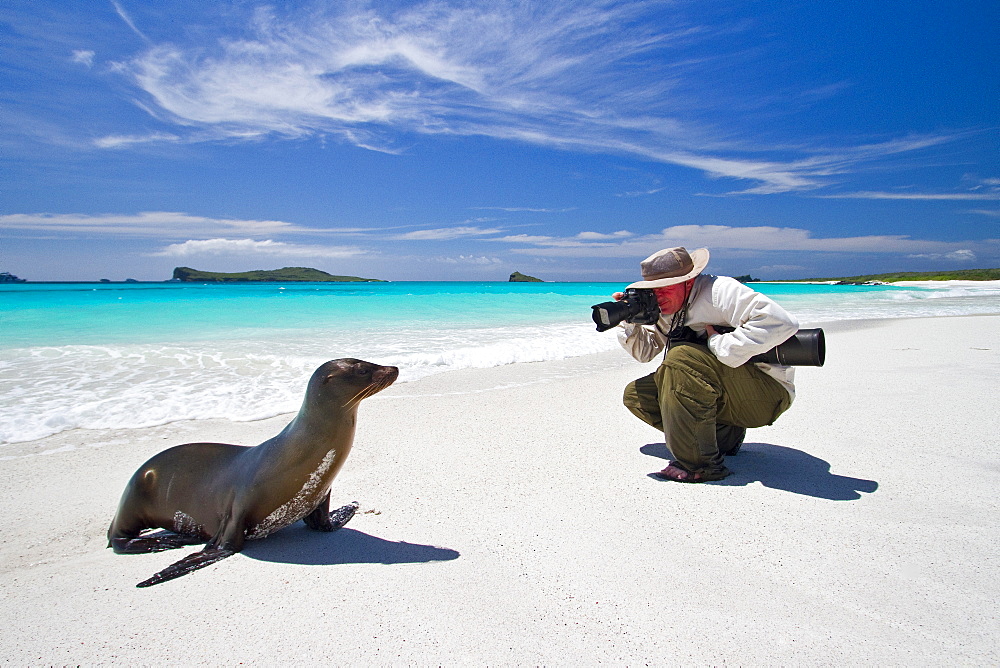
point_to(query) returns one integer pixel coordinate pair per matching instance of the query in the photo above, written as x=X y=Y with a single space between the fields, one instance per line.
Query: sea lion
x=223 y=494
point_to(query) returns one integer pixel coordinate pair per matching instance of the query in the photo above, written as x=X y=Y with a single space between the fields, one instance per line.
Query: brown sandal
x=677 y=474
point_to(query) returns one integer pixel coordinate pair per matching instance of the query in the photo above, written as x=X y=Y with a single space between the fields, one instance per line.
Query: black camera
x=638 y=306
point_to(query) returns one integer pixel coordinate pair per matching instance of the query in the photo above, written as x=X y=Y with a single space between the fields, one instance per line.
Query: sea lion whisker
x=363 y=394
x=356 y=399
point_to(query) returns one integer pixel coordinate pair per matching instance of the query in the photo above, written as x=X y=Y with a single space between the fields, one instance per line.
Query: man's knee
x=640 y=398
x=630 y=397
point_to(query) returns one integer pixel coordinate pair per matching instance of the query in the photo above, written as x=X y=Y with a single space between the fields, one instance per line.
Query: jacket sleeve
x=643 y=343
x=760 y=324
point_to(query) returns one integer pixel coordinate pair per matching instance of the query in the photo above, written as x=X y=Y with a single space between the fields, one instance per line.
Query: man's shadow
x=779 y=467
x=298 y=545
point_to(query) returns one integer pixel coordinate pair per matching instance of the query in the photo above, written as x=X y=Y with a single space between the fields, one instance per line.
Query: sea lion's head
x=347 y=381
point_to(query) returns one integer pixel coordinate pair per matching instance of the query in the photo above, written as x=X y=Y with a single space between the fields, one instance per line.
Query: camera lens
x=609 y=314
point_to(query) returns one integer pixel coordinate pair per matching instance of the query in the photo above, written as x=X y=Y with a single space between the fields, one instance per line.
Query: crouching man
x=705 y=393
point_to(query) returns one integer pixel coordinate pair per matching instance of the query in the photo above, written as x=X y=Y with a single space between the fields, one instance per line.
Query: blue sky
x=466 y=140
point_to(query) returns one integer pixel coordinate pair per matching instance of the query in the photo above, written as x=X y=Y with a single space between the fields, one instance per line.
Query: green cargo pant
x=692 y=393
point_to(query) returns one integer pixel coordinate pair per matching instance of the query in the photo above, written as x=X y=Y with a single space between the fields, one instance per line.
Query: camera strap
x=676 y=326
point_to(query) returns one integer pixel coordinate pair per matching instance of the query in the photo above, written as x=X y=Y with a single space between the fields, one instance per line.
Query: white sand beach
x=507 y=518
x=981 y=285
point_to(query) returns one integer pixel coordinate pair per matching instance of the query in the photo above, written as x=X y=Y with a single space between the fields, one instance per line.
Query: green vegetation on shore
x=956 y=275
x=188 y=274
x=518 y=277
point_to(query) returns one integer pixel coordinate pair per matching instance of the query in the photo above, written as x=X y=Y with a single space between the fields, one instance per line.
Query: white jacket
x=760 y=324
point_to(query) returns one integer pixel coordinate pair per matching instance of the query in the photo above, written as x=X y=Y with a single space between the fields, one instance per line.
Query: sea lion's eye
x=361 y=371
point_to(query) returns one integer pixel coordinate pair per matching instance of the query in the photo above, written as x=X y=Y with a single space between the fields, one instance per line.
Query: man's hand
x=710 y=331
x=618 y=296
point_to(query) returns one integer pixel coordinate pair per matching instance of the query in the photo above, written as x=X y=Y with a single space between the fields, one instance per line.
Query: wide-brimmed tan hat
x=671 y=266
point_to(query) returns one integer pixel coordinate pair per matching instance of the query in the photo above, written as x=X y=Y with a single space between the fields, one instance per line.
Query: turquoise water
x=140 y=354
x=60 y=314
x=89 y=314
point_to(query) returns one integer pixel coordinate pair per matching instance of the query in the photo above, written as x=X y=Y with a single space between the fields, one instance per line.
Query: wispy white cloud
x=447 y=233
x=720 y=237
x=914 y=196
x=541 y=240
x=84 y=57
x=960 y=255
x=127 y=19
x=267 y=247
x=203 y=235
x=598 y=236
x=519 y=209
x=480 y=260
x=641 y=193
x=159 y=224
x=779 y=268
x=124 y=141
x=543 y=73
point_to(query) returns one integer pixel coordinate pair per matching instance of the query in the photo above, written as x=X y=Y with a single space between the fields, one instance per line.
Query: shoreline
x=171 y=281
x=468 y=376
x=507 y=517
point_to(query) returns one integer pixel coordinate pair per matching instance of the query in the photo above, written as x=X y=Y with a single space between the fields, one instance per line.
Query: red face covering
x=671 y=298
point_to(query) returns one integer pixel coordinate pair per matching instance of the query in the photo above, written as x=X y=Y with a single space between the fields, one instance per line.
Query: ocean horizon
x=131 y=355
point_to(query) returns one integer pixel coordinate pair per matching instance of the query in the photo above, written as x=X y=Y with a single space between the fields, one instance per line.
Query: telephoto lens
x=807 y=347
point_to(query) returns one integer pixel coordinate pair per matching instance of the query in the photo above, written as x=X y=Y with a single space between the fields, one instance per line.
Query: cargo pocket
x=752 y=398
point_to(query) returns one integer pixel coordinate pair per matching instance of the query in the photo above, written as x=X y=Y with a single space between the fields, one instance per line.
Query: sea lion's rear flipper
x=192 y=562
x=157 y=542
x=321 y=519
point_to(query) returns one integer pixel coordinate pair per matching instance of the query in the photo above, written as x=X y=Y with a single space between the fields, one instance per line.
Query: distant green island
x=957 y=275
x=187 y=274
x=518 y=277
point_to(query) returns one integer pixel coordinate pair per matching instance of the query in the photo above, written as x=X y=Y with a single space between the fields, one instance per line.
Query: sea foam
x=55 y=388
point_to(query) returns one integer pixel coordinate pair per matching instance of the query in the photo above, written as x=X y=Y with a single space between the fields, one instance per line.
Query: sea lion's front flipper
x=321 y=519
x=192 y=562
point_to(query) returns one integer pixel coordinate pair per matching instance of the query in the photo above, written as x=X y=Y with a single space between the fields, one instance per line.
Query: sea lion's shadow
x=298 y=545
x=780 y=467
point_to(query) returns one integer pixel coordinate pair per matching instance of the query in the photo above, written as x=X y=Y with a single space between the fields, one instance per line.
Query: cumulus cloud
x=246 y=247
